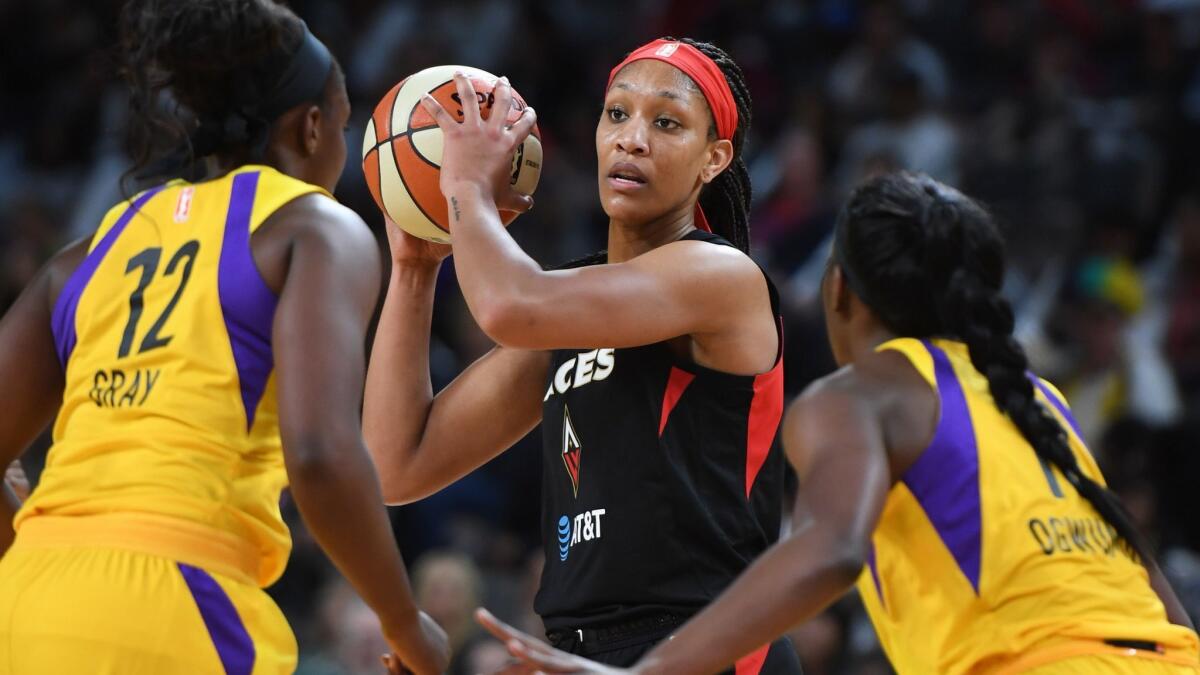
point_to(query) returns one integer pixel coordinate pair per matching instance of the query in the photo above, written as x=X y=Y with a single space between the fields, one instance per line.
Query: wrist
x=464 y=189
x=400 y=623
x=416 y=267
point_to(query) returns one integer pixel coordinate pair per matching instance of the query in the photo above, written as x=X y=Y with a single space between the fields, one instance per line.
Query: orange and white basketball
x=402 y=149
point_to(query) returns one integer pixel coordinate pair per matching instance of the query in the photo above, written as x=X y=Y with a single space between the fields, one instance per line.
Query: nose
x=632 y=138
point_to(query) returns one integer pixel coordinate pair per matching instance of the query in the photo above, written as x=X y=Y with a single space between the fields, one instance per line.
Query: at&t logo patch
x=572 y=532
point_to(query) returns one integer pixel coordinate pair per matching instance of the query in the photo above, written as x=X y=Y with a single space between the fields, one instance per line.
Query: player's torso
x=165 y=335
x=659 y=482
x=984 y=554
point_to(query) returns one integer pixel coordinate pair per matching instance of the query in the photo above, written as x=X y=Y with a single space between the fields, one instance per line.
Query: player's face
x=653 y=145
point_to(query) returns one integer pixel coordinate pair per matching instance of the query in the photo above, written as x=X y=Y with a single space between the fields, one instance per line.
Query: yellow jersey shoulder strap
x=274 y=189
x=916 y=353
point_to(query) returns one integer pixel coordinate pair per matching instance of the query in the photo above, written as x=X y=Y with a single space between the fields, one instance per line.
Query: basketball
x=402 y=149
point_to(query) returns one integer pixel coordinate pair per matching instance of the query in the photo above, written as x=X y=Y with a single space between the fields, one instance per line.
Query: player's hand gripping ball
x=402 y=149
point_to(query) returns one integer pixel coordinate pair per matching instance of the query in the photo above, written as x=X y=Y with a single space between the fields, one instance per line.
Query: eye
x=616 y=114
x=666 y=123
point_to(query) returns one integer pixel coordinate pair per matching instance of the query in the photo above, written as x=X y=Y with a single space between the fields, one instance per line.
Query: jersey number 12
x=147 y=261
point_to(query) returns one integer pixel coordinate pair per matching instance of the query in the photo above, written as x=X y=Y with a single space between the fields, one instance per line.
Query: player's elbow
x=508 y=320
x=314 y=454
x=845 y=560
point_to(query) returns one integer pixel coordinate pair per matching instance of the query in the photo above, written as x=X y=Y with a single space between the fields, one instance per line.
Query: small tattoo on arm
x=457 y=212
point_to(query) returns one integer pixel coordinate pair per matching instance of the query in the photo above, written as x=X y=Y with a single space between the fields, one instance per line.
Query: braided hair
x=904 y=240
x=194 y=70
x=725 y=200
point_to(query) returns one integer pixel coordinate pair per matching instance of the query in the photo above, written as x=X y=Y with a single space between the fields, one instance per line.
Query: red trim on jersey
x=766 y=410
x=676 y=384
x=752 y=663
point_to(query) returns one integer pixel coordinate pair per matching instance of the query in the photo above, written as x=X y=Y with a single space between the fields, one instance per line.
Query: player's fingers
x=502 y=103
x=444 y=121
x=505 y=633
x=523 y=126
x=498 y=629
x=514 y=201
x=466 y=92
x=544 y=661
x=392 y=664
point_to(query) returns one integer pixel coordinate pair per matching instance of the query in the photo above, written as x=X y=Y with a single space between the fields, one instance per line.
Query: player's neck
x=865 y=341
x=629 y=240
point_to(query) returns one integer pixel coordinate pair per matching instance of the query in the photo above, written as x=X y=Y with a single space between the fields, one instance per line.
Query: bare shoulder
x=318 y=217
x=704 y=263
x=906 y=406
x=62 y=266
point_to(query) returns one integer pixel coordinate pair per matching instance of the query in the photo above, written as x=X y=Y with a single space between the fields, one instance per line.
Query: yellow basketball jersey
x=986 y=560
x=167 y=441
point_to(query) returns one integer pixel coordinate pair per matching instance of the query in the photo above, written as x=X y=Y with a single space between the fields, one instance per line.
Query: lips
x=626 y=176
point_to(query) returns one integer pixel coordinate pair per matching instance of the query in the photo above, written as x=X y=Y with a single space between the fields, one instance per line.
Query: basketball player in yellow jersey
x=939 y=474
x=202 y=322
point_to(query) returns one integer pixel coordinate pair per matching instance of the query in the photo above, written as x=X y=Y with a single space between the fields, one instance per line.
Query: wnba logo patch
x=571 y=450
x=667 y=50
x=183 y=206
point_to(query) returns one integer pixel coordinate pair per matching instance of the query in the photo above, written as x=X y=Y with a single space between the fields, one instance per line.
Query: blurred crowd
x=1075 y=121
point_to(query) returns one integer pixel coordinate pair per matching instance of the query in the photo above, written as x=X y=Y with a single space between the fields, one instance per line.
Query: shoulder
x=704 y=266
x=318 y=220
x=62 y=266
x=883 y=391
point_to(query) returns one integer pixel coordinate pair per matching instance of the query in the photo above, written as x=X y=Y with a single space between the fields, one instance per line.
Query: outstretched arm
x=320 y=325
x=421 y=443
x=835 y=441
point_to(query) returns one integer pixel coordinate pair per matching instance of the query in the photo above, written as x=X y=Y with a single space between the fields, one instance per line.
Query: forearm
x=791 y=582
x=399 y=393
x=493 y=271
x=343 y=509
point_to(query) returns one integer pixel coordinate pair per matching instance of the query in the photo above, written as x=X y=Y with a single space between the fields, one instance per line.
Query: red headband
x=703 y=71
x=706 y=74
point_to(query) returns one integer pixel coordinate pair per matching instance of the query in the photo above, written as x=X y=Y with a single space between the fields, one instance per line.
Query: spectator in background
x=448 y=587
x=859 y=75
x=910 y=130
x=352 y=636
x=1183 y=332
x=1115 y=369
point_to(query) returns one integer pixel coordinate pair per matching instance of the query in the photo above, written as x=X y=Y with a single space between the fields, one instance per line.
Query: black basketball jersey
x=660 y=481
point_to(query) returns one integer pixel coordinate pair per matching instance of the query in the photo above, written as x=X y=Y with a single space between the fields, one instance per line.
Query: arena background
x=1077 y=121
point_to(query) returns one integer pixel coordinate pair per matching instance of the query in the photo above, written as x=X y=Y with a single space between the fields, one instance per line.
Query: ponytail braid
x=905 y=240
x=726 y=200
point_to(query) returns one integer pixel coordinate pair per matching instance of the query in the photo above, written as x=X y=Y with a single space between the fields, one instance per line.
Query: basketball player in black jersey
x=655 y=370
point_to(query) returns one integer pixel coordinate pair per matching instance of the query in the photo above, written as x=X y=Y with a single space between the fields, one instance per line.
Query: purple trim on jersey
x=247 y=304
x=945 y=479
x=62 y=321
x=1058 y=404
x=234 y=645
x=874 y=567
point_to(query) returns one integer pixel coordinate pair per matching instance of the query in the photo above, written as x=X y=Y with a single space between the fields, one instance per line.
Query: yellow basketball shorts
x=107 y=611
x=1112 y=664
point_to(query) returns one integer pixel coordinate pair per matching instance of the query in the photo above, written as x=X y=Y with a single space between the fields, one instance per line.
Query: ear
x=720 y=155
x=839 y=290
x=310 y=131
